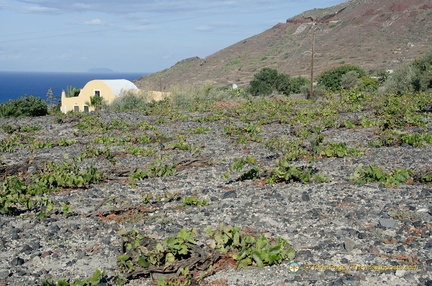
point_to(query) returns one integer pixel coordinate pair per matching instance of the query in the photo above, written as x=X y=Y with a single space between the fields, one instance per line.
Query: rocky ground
x=344 y=233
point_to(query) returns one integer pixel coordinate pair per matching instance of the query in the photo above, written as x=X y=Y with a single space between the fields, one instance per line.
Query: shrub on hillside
x=267 y=75
x=24 y=106
x=369 y=84
x=423 y=68
x=350 y=80
x=283 y=83
x=258 y=87
x=297 y=83
x=332 y=78
x=264 y=82
x=268 y=80
x=416 y=76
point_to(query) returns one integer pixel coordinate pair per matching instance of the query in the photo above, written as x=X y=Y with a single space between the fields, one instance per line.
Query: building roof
x=119 y=85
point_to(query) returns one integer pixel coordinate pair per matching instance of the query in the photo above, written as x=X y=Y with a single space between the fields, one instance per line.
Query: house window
x=86 y=108
x=76 y=108
x=97 y=93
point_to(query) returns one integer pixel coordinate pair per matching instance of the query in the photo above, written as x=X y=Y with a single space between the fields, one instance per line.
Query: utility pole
x=311 y=92
x=315 y=22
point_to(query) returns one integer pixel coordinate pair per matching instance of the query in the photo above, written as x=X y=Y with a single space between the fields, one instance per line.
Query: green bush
x=369 y=84
x=402 y=80
x=332 y=78
x=350 y=80
x=258 y=87
x=267 y=75
x=283 y=83
x=297 y=83
x=416 y=76
x=24 y=106
x=423 y=69
x=268 y=80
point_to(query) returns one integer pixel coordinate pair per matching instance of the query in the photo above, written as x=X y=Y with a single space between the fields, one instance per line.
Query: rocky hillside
x=378 y=35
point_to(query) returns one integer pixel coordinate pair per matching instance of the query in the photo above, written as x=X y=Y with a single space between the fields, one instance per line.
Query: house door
x=76 y=108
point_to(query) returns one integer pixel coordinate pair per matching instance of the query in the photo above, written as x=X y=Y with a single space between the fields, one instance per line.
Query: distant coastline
x=14 y=84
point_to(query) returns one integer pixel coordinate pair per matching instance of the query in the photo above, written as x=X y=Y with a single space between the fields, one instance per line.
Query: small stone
x=304 y=254
x=361 y=235
x=46 y=254
x=349 y=245
x=36 y=260
x=418 y=223
x=230 y=195
x=54 y=228
x=400 y=273
x=344 y=260
x=21 y=272
x=305 y=197
x=81 y=255
x=36 y=245
x=17 y=261
x=351 y=280
x=374 y=250
x=106 y=241
x=72 y=262
x=33 y=170
x=387 y=223
x=338 y=282
x=410 y=277
x=27 y=249
x=4 y=274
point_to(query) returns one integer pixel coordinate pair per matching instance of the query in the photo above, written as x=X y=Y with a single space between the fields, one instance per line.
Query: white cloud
x=81 y=6
x=95 y=22
x=140 y=27
x=214 y=26
x=40 y=9
x=204 y=28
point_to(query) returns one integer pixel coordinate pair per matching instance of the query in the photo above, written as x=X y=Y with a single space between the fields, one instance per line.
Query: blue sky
x=130 y=35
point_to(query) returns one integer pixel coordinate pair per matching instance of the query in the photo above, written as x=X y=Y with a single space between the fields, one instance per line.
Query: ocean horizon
x=14 y=84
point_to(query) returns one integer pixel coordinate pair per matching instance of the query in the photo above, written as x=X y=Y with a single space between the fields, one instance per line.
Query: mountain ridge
x=375 y=35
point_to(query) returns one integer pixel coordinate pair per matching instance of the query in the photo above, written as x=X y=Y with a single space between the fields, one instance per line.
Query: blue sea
x=16 y=84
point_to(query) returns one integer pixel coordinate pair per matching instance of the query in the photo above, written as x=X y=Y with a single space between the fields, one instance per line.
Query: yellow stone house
x=108 y=89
